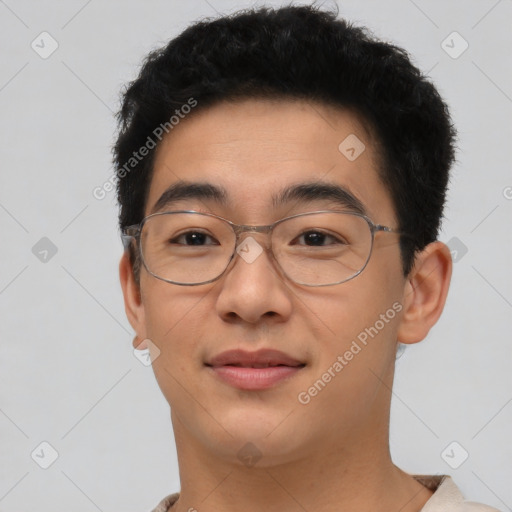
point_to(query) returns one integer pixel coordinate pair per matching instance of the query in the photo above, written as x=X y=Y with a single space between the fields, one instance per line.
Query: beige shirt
x=446 y=498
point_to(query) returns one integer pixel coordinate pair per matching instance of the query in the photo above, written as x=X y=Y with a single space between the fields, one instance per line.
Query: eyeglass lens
x=312 y=249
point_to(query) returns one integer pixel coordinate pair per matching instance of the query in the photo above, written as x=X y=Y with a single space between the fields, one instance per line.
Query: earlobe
x=425 y=292
x=132 y=300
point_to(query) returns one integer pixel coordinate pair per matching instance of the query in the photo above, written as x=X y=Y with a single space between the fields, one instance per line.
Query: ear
x=132 y=301
x=425 y=292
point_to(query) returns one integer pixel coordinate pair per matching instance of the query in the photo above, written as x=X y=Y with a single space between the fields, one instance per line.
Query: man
x=281 y=177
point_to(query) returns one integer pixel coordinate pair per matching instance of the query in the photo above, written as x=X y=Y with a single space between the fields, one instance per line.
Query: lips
x=260 y=359
x=253 y=371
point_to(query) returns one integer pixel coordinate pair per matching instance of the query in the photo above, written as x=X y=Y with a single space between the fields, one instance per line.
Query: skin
x=333 y=453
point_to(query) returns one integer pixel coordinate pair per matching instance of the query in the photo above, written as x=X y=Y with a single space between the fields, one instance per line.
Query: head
x=255 y=103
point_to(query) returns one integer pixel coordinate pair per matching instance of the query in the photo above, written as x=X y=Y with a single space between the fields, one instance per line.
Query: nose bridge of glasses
x=243 y=228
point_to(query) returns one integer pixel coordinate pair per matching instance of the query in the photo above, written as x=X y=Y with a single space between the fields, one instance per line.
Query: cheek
x=173 y=318
x=343 y=312
x=353 y=356
x=174 y=322
x=358 y=321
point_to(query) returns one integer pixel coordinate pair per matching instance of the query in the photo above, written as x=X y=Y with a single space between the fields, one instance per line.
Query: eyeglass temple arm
x=380 y=227
x=128 y=234
x=387 y=229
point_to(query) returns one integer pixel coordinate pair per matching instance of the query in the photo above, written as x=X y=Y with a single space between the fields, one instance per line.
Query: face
x=254 y=149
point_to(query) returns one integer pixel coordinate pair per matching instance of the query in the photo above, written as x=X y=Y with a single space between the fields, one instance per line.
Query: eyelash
x=332 y=237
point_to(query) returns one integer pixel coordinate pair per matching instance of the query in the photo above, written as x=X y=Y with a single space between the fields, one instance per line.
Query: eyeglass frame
x=134 y=231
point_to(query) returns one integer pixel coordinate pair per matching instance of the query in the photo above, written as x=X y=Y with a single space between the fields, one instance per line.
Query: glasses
x=321 y=248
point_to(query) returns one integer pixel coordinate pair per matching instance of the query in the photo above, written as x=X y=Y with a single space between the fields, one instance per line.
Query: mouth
x=254 y=370
x=260 y=365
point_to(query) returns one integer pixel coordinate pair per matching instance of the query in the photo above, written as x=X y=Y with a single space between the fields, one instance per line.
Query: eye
x=193 y=238
x=316 y=238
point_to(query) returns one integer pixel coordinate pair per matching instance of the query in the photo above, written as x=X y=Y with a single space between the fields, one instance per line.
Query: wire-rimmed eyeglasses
x=319 y=248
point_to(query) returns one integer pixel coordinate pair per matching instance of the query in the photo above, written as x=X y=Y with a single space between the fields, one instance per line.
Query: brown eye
x=193 y=238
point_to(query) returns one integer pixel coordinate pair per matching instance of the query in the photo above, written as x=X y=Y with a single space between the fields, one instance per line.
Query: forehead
x=253 y=150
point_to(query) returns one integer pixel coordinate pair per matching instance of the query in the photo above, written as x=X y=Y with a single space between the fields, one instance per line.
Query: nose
x=253 y=286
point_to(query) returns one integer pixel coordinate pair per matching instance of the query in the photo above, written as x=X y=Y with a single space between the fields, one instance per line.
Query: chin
x=261 y=450
x=272 y=429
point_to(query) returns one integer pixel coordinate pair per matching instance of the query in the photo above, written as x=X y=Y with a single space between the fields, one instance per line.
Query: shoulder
x=447 y=496
x=471 y=506
x=166 y=503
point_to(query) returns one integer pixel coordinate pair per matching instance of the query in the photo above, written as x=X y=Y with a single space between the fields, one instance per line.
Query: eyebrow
x=301 y=192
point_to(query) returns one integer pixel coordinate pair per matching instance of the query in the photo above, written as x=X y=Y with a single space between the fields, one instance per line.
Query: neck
x=352 y=472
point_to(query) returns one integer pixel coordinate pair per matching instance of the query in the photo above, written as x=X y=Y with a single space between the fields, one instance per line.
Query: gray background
x=68 y=375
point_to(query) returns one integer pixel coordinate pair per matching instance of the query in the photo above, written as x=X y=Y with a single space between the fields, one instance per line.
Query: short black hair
x=296 y=52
